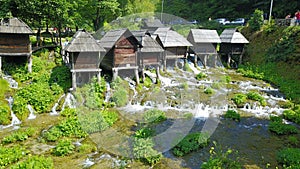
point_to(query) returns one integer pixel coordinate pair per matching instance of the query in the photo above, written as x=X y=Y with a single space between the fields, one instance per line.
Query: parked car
x=238 y=21
x=223 y=21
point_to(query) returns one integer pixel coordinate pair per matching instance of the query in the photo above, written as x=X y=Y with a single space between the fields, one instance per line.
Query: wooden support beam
x=0 y=64
x=216 y=60
x=136 y=71
x=228 y=60
x=74 y=80
x=157 y=74
x=205 y=61
x=143 y=74
x=195 y=61
x=115 y=73
x=29 y=58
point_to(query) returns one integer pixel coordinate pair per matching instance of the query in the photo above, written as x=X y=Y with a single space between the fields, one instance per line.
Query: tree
x=256 y=21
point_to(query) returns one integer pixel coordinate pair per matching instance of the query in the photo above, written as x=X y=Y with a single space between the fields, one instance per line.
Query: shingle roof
x=231 y=36
x=14 y=25
x=205 y=36
x=83 y=42
x=150 y=45
x=153 y=23
x=138 y=34
x=111 y=37
x=170 y=38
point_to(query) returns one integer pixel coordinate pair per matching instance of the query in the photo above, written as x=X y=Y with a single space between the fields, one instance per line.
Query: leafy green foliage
x=232 y=114
x=257 y=97
x=256 y=21
x=292 y=115
x=251 y=73
x=87 y=148
x=120 y=94
x=92 y=122
x=239 y=99
x=186 y=67
x=10 y=155
x=70 y=127
x=221 y=159
x=148 y=82
x=21 y=135
x=154 y=116
x=63 y=148
x=200 y=76
x=209 y=90
x=61 y=75
x=190 y=143
x=5 y=116
x=277 y=126
x=110 y=117
x=144 y=133
x=143 y=150
x=34 y=162
x=289 y=157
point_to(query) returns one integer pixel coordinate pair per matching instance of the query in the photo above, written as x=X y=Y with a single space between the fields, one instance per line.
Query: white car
x=239 y=21
x=223 y=21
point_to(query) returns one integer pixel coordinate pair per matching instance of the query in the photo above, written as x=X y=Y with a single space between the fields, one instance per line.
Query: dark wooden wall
x=150 y=58
x=232 y=48
x=15 y=44
x=205 y=48
x=85 y=60
x=175 y=52
x=125 y=53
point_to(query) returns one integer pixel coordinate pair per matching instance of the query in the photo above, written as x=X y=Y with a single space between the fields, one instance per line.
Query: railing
x=285 y=22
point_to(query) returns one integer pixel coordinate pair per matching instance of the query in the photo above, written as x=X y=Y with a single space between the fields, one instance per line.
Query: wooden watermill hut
x=151 y=54
x=121 y=52
x=152 y=24
x=232 y=44
x=174 y=44
x=84 y=55
x=205 y=43
x=14 y=40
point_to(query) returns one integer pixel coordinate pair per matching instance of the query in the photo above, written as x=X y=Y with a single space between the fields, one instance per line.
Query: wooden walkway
x=50 y=47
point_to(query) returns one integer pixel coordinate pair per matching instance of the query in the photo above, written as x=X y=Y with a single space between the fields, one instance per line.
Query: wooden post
x=195 y=61
x=216 y=60
x=136 y=71
x=176 y=60
x=228 y=60
x=240 y=59
x=74 y=79
x=99 y=76
x=205 y=61
x=143 y=74
x=157 y=74
x=29 y=64
x=0 y=64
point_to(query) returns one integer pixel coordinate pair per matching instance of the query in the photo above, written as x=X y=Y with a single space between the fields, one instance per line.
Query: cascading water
x=53 y=110
x=12 y=83
x=108 y=92
x=14 y=121
x=31 y=114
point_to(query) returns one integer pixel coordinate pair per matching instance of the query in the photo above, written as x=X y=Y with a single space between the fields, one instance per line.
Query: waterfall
x=12 y=83
x=53 y=110
x=108 y=92
x=31 y=114
x=14 y=121
x=70 y=101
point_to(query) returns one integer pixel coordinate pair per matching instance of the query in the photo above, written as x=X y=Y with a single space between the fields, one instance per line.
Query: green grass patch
x=289 y=157
x=232 y=114
x=154 y=116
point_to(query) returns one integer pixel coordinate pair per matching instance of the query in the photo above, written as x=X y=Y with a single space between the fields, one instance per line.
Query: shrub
x=144 y=133
x=110 y=117
x=120 y=97
x=190 y=143
x=34 y=162
x=250 y=73
x=216 y=85
x=200 y=76
x=226 y=79
x=21 y=135
x=87 y=148
x=281 y=128
x=239 y=99
x=293 y=140
x=10 y=155
x=257 y=97
x=68 y=112
x=187 y=68
x=219 y=159
x=232 y=114
x=61 y=75
x=289 y=157
x=209 y=90
x=148 y=82
x=92 y=122
x=256 y=21
x=64 y=147
x=154 y=116
x=5 y=117
x=292 y=115
x=143 y=150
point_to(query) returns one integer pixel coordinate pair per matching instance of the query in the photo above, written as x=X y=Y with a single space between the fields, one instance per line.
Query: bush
x=143 y=150
x=154 y=116
x=187 y=68
x=93 y=122
x=190 y=143
x=61 y=75
x=239 y=99
x=87 y=148
x=68 y=112
x=11 y=155
x=250 y=73
x=148 y=82
x=144 y=133
x=120 y=97
x=110 y=117
x=289 y=157
x=292 y=116
x=34 y=162
x=219 y=160
x=5 y=117
x=209 y=90
x=232 y=114
x=21 y=135
x=257 y=97
x=256 y=21
x=64 y=147
x=200 y=76
x=281 y=128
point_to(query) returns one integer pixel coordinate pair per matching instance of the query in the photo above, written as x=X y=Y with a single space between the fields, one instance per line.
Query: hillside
x=275 y=53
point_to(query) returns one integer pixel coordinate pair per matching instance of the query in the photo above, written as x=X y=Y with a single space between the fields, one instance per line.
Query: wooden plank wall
x=14 y=43
x=86 y=60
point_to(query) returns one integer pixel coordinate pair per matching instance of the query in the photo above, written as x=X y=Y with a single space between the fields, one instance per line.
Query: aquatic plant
x=200 y=76
x=190 y=143
x=154 y=116
x=232 y=114
x=64 y=147
x=34 y=162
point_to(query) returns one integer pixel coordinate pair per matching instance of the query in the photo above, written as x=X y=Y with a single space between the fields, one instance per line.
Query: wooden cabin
x=174 y=44
x=232 y=44
x=151 y=53
x=121 y=52
x=152 y=25
x=204 y=46
x=84 y=55
x=14 y=40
